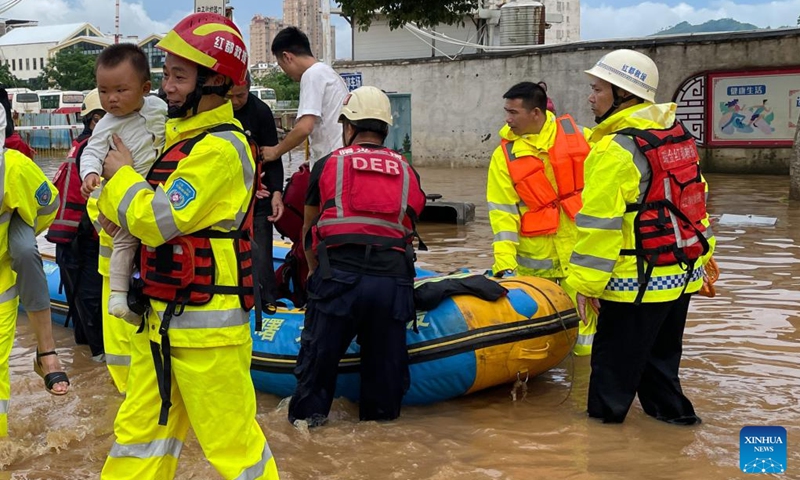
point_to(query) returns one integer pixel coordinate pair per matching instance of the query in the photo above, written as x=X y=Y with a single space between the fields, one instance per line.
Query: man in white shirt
x=322 y=93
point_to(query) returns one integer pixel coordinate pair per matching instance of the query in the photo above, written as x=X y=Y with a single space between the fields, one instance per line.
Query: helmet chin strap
x=193 y=99
x=618 y=101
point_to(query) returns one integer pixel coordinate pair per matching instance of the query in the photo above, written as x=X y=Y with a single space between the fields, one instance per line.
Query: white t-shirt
x=322 y=92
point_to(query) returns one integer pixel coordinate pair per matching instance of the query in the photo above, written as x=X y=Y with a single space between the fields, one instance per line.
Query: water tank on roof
x=522 y=23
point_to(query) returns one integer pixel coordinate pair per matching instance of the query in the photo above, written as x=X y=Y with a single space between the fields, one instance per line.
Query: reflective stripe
x=534 y=264
x=503 y=207
x=242 y=148
x=585 y=339
x=154 y=449
x=404 y=195
x=709 y=234
x=595 y=263
x=118 y=360
x=9 y=294
x=3 y=407
x=162 y=208
x=66 y=223
x=666 y=282
x=367 y=220
x=210 y=319
x=339 y=186
x=48 y=209
x=506 y=236
x=105 y=251
x=257 y=470
x=123 y=206
x=509 y=147
x=589 y=221
x=639 y=160
x=5 y=217
x=567 y=126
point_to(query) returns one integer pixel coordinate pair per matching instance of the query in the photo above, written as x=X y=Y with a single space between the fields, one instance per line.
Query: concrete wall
x=457 y=106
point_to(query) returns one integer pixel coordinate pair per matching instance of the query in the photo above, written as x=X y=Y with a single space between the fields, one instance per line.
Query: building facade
x=262 y=32
x=28 y=50
x=306 y=15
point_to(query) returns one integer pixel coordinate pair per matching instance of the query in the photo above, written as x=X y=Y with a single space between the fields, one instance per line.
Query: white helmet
x=91 y=102
x=367 y=103
x=631 y=71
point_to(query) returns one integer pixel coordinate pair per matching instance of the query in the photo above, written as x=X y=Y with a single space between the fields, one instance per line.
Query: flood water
x=741 y=366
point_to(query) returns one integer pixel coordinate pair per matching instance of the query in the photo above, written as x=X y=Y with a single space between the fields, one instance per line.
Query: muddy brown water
x=741 y=366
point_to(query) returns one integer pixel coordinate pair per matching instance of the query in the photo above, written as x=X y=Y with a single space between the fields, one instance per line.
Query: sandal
x=52 y=378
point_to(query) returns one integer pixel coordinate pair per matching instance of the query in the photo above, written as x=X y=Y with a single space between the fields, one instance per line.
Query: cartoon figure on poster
x=733 y=119
x=762 y=118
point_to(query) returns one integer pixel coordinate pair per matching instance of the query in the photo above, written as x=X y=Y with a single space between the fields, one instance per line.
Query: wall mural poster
x=755 y=108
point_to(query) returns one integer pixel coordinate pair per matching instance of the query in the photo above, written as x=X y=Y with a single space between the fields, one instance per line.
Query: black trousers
x=637 y=350
x=262 y=254
x=83 y=286
x=377 y=310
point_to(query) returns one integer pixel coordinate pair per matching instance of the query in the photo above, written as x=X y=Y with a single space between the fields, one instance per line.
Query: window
x=559 y=6
x=34 y=63
x=49 y=101
x=14 y=64
x=27 y=64
x=41 y=62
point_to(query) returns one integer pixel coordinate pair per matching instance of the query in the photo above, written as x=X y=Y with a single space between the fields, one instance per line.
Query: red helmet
x=210 y=40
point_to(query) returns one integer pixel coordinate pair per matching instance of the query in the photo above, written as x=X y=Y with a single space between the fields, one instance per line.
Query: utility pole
x=116 y=25
x=326 y=32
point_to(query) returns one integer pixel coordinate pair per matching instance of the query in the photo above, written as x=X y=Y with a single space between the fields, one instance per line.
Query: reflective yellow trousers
x=8 y=323
x=212 y=393
x=117 y=342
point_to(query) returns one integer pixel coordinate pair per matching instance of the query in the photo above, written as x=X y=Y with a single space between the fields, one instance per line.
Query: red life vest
x=291 y=277
x=535 y=190
x=668 y=225
x=182 y=271
x=71 y=204
x=370 y=196
x=290 y=225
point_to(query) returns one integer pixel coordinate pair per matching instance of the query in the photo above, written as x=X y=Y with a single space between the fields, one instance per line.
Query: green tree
x=285 y=88
x=71 y=69
x=7 y=79
x=426 y=13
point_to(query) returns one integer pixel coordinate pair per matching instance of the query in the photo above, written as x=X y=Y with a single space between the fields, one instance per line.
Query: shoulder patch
x=43 y=194
x=181 y=193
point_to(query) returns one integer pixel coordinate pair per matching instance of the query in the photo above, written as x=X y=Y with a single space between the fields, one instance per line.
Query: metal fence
x=50 y=134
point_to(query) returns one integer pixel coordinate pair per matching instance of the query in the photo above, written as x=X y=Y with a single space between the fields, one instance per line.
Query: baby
x=123 y=80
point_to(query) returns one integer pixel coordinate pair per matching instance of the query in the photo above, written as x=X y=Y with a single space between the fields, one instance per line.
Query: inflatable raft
x=464 y=345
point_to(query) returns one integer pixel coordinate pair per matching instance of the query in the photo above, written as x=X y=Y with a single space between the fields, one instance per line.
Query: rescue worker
x=77 y=242
x=25 y=193
x=361 y=206
x=534 y=193
x=190 y=366
x=629 y=261
x=116 y=331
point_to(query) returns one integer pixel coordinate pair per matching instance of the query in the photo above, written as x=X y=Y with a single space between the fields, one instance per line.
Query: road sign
x=210 y=6
x=353 y=80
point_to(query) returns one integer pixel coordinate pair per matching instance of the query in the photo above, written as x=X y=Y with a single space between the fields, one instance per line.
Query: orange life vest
x=528 y=174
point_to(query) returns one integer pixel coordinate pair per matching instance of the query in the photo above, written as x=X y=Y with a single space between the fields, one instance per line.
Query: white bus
x=266 y=95
x=56 y=101
x=24 y=100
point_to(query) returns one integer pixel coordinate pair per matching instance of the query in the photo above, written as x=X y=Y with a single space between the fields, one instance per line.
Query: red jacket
x=15 y=142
